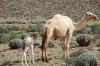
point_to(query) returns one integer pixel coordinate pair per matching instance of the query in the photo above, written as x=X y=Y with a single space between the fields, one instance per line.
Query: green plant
x=23 y=35
x=51 y=44
x=15 y=43
x=78 y=52
x=95 y=28
x=83 y=40
x=3 y=29
x=74 y=55
x=14 y=35
x=86 y=59
x=37 y=28
x=4 y=38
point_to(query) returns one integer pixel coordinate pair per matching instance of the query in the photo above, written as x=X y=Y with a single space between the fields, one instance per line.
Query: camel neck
x=81 y=24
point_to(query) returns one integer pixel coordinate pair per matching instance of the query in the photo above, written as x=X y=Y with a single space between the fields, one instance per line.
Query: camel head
x=84 y=21
x=90 y=16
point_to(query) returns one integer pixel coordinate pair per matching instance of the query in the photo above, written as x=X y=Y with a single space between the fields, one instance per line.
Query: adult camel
x=62 y=27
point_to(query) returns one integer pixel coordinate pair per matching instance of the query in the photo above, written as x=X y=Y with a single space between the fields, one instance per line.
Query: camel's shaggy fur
x=62 y=27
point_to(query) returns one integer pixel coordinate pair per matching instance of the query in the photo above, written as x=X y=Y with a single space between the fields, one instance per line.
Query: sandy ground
x=11 y=57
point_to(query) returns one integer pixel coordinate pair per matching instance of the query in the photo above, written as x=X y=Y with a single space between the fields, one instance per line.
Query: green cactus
x=83 y=40
x=86 y=59
x=15 y=43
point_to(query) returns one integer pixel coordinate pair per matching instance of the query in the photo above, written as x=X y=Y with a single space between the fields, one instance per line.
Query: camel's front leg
x=66 y=44
x=45 y=39
x=42 y=47
x=45 y=47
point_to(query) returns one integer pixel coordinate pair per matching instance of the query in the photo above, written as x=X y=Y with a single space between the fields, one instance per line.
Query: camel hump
x=58 y=16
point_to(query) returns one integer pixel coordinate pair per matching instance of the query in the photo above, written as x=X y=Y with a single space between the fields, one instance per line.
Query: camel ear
x=87 y=13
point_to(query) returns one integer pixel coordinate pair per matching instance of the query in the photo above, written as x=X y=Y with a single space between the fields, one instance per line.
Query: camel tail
x=45 y=33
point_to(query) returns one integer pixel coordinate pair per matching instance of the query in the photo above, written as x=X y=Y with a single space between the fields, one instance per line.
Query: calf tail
x=23 y=45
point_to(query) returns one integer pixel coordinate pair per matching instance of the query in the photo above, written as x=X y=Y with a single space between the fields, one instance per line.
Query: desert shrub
x=95 y=28
x=82 y=57
x=14 y=35
x=78 y=52
x=74 y=55
x=37 y=28
x=5 y=62
x=15 y=43
x=23 y=35
x=3 y=29
x=83 y=40
x=4 y=38
x=86 y=59
x=51 y=44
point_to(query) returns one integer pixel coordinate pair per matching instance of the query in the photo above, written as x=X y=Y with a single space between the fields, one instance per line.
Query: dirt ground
x=10 y=57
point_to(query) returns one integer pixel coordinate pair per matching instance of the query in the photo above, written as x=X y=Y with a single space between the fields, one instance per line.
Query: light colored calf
x=27 y=44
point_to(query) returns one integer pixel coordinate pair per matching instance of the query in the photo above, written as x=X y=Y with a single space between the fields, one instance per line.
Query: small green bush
x=95 y=28
x=78 y=52
x=23 y=35
x=86 y=59
x=51 y=44
x=82 y=57
x=37 y=28
x=15 y=43
x=4 y=38
x=14 y=35
x=3 y=29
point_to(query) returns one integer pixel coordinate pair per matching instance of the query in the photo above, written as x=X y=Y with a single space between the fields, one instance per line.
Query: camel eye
x=89 y=14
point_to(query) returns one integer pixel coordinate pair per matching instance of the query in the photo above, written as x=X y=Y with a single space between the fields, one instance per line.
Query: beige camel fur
x=62 y=27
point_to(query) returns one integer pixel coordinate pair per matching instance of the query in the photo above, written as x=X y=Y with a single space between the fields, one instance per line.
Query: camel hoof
x=46 y=60
x=43 y=59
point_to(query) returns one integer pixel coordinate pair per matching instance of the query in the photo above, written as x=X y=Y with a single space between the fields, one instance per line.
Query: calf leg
x=32 y=54
x=22 y=59
x=24 y=53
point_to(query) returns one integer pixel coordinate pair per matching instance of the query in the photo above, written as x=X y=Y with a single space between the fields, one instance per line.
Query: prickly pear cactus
x=86 y=59
x=83 y=40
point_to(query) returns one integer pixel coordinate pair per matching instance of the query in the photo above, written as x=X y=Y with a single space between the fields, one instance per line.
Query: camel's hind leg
x=45 y=40
x=44 y=49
